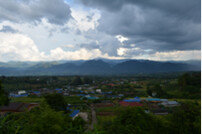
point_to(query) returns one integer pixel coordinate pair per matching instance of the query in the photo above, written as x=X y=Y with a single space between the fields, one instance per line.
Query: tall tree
x=87 y=80
x=76 y=81
x=156 y=89
x=134 y=121
x=56 y=101
x=4 y=100
x=41 y=120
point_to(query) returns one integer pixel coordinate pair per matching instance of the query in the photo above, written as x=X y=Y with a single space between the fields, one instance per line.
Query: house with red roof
x=126 y=104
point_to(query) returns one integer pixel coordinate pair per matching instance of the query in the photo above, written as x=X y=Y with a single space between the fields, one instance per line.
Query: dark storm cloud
x=8 y=29
x=161 y=25
x=107 y=44
x=55 y=11
x=184 y=8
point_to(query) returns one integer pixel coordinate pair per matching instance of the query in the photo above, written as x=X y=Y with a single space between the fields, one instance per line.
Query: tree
x=190 y=85
x=134 y=121
x=4 y=100
x=183 y=80
x=76 y=81
x=87 y=80
x=186 y=119
x=41 y=120
x=149 y=91
x=56 y=101
x=157 y=90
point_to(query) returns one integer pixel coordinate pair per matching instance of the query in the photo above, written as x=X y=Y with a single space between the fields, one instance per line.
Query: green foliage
x=56 y=101
x=190 y=85
x=42 y=120
x=76 y=81
x=34 y=82
x=134 y=121
x=4 y=100
x=87 y=80
x=189 y=80
x=186 y=86
x=156 y=89
x=186 y=119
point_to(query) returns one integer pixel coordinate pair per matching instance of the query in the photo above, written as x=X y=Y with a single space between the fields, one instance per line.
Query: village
x=91 y=104
x=94 y=101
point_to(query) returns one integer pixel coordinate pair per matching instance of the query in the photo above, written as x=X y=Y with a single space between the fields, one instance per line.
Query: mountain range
x=97 y=67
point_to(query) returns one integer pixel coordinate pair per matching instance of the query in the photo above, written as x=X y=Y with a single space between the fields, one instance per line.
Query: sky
x=50 y=30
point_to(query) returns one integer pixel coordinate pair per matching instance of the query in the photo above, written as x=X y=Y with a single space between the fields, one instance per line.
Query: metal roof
x=74 y=113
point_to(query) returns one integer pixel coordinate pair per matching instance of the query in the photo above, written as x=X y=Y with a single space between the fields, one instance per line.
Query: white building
x=98 y=90
x=170 y=103
x=21 y=92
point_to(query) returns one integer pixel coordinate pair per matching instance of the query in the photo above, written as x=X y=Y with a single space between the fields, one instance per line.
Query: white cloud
x=81 y=54
x=18 y=47
x=84 y=20
x=121 y=38
x=121 y=51
x=176 y=55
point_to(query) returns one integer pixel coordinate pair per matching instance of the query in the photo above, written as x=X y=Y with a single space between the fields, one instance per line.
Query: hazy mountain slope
x=100 y=67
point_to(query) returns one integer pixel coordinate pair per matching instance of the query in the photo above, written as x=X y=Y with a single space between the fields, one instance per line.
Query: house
x=74 y=114
x=133 y=82
x=79 y=88
x=21 y=92
x=110 y=92
x=58 y=90
x=121 y=95
x=154 y=100
x=159 y=112
x=125 y=104
x=136 y=99
x=98 y=90
x=170 y=103
x=92 y=98
x=66 y=93
x=17 y=95
x=81 y=95
x=68 y=108
x=15 y=107
x=111 y=84
x=97 y=105
x=38 y=93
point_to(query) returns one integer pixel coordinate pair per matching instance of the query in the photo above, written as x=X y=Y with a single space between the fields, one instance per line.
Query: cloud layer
x=155 y=24
x=86 y=29
x=55 y=11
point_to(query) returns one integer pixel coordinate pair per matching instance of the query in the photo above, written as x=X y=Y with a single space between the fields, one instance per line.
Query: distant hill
x=97 y=67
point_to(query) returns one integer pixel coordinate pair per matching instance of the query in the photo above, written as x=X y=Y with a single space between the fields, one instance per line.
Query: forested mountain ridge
x=97 y=67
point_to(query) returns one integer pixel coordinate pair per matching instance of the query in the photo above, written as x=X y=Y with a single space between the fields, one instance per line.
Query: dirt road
x=94 y=119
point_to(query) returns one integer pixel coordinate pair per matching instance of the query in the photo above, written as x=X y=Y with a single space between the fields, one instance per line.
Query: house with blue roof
x=92 y=98
x=58 y=89
x=17 y=95
x=74 y=114
x=136 y=99
x=69 y=109
x=153 y=99
x=38 y=93
x=81 y=95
